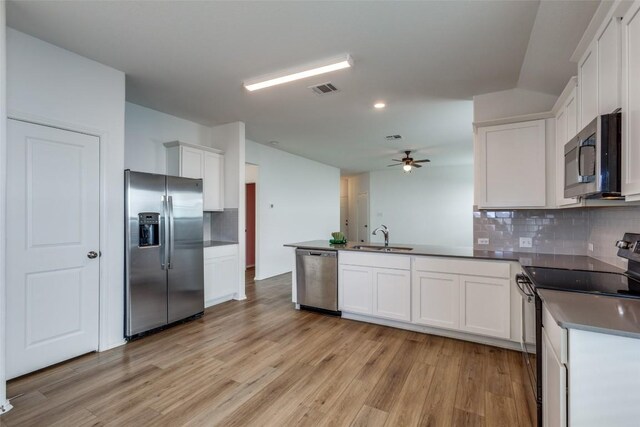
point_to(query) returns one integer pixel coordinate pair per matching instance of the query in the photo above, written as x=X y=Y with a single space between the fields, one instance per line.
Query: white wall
x=4 y=404
x=230 y=137
x=49 y=85
x=430 y=206
x=509 y=103
x=306 y=205
x=145 y=132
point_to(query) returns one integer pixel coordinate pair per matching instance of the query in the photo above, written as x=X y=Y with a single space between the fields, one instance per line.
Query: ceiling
x=426 y=60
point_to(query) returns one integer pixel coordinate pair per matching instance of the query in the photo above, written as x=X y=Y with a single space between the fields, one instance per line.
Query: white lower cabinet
x=436 y=299
x=356 y=290
x=554 y=386
x=221 y=274
x=392 y=294
x=485 y=306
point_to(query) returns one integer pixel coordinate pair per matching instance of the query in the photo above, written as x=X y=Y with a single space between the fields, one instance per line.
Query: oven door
x=580 y=157
x=528 y=333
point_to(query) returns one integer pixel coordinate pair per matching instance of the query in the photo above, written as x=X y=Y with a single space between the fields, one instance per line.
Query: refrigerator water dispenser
x=149 y=232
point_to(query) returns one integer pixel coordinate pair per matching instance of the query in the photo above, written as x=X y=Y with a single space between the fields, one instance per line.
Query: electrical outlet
x=483 y=241
x=590 y=247
x=526 y=242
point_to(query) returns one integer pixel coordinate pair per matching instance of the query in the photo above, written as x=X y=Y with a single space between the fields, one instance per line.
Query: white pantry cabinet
x=375 y=284
x=511 y=165
x=194 y=161
x=221 y=274
x=554 y=386
x=631 y=103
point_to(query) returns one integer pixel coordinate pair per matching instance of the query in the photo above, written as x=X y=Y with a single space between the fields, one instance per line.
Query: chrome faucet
x=385 y=231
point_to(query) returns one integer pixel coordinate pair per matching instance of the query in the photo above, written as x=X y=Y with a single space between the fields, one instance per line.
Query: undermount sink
x=382 y=248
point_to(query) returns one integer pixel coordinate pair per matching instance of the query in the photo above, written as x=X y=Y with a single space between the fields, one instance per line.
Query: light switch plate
x=526 y=242
x=483 y=241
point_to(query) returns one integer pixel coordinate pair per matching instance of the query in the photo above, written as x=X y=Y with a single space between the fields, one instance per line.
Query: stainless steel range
x=624 y=285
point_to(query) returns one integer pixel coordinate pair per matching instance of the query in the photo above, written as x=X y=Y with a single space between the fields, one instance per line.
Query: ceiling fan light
x=407 y=168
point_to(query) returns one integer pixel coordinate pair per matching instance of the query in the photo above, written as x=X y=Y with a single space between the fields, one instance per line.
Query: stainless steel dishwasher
x=317 y=279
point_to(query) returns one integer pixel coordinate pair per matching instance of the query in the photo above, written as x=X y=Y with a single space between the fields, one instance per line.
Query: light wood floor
x=260 y=362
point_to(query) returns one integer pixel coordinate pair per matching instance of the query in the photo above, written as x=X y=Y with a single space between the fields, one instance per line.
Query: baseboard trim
x=5 y=407
x=496 y=342
x=220 y=300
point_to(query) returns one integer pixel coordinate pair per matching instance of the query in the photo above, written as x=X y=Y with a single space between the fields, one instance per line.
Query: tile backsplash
x=558 y=231
x=223 y=225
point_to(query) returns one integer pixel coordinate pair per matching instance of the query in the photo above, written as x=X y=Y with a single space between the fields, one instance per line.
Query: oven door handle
x=523 y=282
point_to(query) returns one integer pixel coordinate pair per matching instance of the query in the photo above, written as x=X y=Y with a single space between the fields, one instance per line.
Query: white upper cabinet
x=588 y=86
x=194 y=161
x=566 y=129
x=511 y=165
x=599 y=73
x=631 y=103
x=609 y=63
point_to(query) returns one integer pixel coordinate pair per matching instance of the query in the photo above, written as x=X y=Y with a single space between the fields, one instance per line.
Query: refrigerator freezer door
x=186 y=272
x=146 y=280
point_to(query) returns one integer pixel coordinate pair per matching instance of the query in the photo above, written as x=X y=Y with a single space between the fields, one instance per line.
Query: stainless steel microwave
x=592 y=160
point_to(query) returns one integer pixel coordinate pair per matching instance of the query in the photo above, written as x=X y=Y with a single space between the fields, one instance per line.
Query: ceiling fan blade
x=416 y=166
x=395 y=164
x=396 y=160
x=421 y=161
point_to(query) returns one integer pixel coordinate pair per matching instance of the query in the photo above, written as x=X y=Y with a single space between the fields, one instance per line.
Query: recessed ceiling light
x=379 y=105
x=299 y=73
x=274 y=142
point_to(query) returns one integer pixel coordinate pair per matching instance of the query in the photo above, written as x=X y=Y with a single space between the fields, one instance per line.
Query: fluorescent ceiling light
x=300 y=73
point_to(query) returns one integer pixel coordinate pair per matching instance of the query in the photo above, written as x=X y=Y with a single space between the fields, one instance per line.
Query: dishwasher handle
x=303 y=252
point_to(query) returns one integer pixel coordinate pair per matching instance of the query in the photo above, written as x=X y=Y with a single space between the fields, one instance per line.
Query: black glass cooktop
x=615 y=284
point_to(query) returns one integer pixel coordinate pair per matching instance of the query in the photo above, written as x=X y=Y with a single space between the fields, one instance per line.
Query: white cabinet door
x=571 y=109
x=191 y=163
x=631 y=103
x=392 y=294
x=356 y=289
x=554 y=386
x=485 y=306
x=220 y=278
x=213 y=178
x=436 y=299
x=608 y=44
x=511 y=165
x=588 y=86
x=565 y=130
x=53 y=208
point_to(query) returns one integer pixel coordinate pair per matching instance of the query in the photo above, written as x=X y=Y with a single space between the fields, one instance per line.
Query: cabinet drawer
x=219 y=251
x=557 y=335
x=462 y=266
x=401 y=262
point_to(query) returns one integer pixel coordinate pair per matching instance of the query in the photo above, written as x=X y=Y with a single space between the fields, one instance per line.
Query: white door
x=363 y=217
x=52 y=234
x=436 y=299
x=344 y=215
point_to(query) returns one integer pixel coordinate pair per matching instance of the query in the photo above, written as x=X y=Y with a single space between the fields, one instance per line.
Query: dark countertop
x=566 y=262
x=212 y=243
x=594 y=313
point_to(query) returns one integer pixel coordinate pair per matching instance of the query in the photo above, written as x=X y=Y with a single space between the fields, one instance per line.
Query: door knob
x=92 y=255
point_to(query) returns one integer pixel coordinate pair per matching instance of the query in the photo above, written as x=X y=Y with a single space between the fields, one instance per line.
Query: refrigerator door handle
x=171 y=243
x=164 y=224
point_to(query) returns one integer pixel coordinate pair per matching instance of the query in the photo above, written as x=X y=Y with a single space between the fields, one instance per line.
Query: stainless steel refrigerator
x=164 y=244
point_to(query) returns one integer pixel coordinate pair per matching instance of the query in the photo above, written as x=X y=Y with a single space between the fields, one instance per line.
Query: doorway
x=362 y=207
x=251 y=218
x=53 y=267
